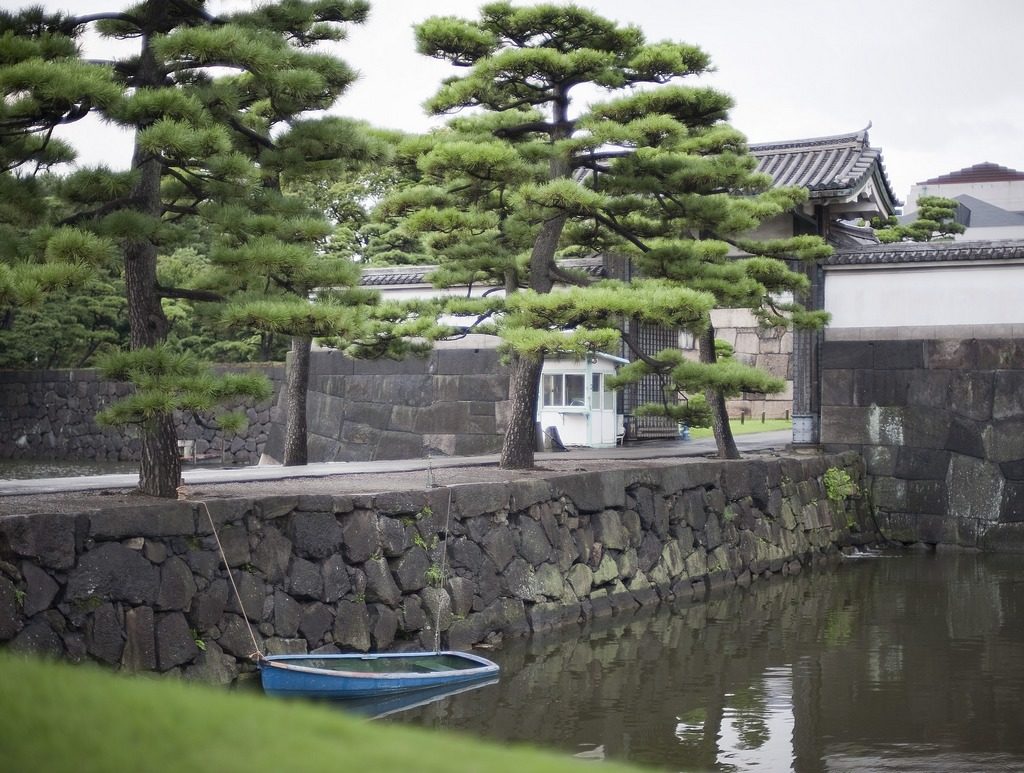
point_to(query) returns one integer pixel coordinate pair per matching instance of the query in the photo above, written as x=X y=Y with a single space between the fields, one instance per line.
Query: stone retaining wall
x=940 y=423
x=453 y=402
x=143 y=589
x=51 y=414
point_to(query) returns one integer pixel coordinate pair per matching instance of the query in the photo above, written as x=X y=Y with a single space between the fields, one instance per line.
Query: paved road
x=194 y=475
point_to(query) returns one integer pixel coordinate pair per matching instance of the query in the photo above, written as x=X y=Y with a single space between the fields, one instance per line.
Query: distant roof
x=981 y=214
x=975 y=213
x=395 y=275
x=391 y=276
x=979 y=173
x=928 y=252
x=829 y=167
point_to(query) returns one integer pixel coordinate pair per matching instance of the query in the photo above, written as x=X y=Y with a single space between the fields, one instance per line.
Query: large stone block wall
x=144 y=589
x=453 y=402
x=940 y=424
x=770 y=349
x=51 y=414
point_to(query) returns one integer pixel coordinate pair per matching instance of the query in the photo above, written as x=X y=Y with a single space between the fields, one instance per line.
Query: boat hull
x=364 y=676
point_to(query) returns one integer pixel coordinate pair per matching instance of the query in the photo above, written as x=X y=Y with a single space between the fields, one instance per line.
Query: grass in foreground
x=749 y=427
x=78 y=719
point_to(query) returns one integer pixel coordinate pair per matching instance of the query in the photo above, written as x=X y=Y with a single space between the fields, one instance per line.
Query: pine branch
x=607 y=155
x=179 y=175
x=91 y=214
x=585 y=162
x=629 y=338
x=514 y=132
x=569 y=277
x=286 y=284
x=255 y=136
x=180 y=210
x=622 y=231
x=79 y=21
x=187 y=294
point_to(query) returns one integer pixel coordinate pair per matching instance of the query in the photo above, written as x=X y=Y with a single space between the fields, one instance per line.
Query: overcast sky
x=941 y=81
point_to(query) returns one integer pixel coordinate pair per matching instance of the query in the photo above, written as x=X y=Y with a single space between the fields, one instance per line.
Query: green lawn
x=748 y=427
x=78 y=719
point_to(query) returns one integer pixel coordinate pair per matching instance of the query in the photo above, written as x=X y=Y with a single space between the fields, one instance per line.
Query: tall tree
x=654 y=174
x=528 y=66
x=197 y=83
x=293 y=268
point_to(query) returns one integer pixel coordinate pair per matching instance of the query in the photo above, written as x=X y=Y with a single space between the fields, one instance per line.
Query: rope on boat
x=257 y=654
x=444 y=571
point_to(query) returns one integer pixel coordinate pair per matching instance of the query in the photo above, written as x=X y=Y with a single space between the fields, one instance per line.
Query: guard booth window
x=564 y=389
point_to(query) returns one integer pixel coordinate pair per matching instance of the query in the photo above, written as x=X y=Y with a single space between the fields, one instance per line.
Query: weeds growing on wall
x=839 y=487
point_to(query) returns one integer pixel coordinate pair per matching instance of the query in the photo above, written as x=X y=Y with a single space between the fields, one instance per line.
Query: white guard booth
x=576 y=401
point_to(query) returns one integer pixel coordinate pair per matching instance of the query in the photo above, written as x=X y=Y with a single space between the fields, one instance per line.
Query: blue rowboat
x=363 y=676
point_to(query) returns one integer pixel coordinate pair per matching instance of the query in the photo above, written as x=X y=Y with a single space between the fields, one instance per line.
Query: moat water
x=908 y=663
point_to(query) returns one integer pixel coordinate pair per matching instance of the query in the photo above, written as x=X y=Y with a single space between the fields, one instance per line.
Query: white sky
x=941 y=81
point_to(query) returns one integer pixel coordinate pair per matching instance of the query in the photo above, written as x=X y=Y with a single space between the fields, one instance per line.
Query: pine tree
x=197 y=83
x=655 y=175
x=526 y=65
x=682 y=205
x=43 y=85
x=294 y=270
x=936 y=219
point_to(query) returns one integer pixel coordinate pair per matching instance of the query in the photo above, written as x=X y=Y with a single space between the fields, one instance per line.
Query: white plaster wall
x=925 y=296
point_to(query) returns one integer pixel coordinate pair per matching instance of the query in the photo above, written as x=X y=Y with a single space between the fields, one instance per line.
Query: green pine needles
x=165 y=381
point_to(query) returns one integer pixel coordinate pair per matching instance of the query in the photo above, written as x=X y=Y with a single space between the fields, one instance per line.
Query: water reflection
x=908 y=664
x=380 y=706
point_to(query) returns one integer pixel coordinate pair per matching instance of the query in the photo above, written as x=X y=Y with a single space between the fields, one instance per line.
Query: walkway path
x=198 y=475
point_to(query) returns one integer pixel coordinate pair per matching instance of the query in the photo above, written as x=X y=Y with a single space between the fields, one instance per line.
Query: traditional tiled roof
x=843 y=234
x=394 y=276
x=928 y=252
x=829 y=167
x=979 y=173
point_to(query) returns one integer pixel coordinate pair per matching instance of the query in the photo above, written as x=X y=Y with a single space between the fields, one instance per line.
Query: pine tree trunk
x=296 y=446
x=160 y=466
x=520 y=440
x=524 y=384
x=716 y=402
x=521 y=437
x=543 y=254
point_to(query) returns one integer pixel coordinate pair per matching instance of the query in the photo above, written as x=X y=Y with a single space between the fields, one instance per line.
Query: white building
x=576 y=401
x=991 y=199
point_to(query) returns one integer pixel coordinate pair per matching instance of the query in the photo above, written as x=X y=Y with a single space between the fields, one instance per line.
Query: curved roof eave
x=834 y=168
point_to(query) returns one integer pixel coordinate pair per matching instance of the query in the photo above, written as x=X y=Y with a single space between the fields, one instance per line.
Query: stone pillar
x=806 y=347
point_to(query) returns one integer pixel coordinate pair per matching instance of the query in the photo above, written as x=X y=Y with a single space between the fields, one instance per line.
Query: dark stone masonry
x=144 y=588
x=51 y=414
x=453 y=402
x=940 y=424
